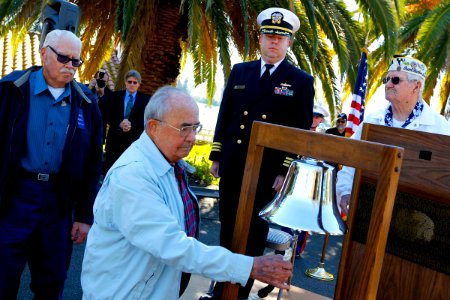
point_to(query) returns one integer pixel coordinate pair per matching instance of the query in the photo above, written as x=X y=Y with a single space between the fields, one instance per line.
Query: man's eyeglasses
x=65 y=59
x=185 y=130
x=341 y=121
x=394 y=80
x=132 y=82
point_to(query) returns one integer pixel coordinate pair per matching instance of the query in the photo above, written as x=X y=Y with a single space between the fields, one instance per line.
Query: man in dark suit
x=125 y=118
x=270 y=90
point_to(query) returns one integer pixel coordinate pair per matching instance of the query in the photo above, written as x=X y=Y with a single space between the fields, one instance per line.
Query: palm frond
x=434 y=28
x=222 y=29
x=317 y=62
x=97 y=34
x=354 y=41
x=378 y=66
x=120 y=15
x=444 y=95
x=8 y=10
x=143 y=28
x=130 y=12
x=400 y=7
x=386 y=22
x=410 y=28
x=309 y=10
x=438 y=57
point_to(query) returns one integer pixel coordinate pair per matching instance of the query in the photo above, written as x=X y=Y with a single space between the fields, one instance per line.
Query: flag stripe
x=356 y=114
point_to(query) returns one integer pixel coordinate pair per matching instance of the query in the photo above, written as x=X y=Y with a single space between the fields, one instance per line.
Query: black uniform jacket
x=285 y=99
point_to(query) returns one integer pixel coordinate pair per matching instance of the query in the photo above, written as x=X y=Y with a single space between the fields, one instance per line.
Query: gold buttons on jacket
x=245 y=112
x=239 y=141
x=264 y=117
x=242 y=126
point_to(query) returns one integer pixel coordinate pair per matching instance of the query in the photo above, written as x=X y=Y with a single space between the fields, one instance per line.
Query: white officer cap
x=319 y=111
x=276 y=20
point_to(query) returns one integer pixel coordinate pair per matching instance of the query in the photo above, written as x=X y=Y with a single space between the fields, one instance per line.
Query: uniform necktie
x=266 y=73
x=129 y=106
x=190 y=206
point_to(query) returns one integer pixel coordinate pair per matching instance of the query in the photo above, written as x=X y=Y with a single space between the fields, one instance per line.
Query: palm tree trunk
x=162 y=50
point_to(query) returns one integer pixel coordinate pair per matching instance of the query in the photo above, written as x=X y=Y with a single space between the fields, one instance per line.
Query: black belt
x=37 y=176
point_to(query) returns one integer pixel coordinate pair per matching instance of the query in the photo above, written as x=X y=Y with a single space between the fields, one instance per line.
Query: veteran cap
x=408 y=65
x=276 y=20
x=342 y=116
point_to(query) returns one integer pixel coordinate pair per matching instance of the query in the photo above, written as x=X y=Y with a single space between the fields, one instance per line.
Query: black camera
x=101 y=83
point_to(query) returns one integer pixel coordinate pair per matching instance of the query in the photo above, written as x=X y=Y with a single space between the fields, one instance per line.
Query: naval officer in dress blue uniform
x=270 y=90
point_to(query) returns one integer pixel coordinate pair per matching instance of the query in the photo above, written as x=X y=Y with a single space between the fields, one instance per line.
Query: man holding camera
x=98 y=85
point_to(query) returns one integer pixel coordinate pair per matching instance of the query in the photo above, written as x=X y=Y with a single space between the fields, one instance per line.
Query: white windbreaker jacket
x=137 y=246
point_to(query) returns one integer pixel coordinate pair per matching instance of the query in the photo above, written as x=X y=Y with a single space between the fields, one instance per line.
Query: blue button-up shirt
x=48 y=123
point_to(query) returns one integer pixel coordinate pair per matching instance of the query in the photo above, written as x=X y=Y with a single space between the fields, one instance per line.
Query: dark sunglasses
x=340 y=121
x=65 y=59
x=394 y=80
x=132 y=82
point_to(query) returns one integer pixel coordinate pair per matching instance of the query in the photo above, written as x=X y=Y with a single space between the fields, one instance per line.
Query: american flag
x=356 y=114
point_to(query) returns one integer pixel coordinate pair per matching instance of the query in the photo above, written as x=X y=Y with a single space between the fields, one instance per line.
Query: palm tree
x=155 y=36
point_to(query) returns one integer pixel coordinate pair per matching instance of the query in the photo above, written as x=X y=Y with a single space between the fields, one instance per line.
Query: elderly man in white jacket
x=404 y=85
x=146 y=218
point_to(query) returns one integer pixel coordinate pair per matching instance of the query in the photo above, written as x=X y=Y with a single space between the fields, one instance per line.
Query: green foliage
x=198 y=158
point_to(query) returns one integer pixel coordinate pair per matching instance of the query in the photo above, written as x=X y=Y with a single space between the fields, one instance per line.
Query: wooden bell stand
x=411 y=269
x=384 y=160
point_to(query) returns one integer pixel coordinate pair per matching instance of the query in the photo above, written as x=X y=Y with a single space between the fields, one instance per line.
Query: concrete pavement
x=303 y=287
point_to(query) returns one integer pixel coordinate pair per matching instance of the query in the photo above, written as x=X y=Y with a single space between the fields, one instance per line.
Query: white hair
x=160 y=103
x=54 y=37
x=414 y=77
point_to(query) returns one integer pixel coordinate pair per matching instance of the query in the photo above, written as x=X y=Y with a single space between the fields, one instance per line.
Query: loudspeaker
x=59 y=14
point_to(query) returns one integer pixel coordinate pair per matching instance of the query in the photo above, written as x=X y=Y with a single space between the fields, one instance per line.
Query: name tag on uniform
x=284 y=90
x=239 y=87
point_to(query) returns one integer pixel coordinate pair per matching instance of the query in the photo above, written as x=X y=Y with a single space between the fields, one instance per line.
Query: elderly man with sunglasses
x=124 y=115
x=404 y=85
x=147 y=219
x=51 y=153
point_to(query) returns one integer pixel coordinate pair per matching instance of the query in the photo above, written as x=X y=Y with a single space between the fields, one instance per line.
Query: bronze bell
x=307 y=199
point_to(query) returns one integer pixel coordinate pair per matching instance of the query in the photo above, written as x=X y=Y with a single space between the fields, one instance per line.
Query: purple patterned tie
x=190 y=205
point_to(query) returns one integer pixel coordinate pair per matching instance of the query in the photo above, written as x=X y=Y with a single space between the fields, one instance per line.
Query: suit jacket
x=286 y=99
x=118 y=141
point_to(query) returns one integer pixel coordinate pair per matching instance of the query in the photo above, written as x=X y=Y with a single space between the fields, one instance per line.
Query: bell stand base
x=319 y=273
